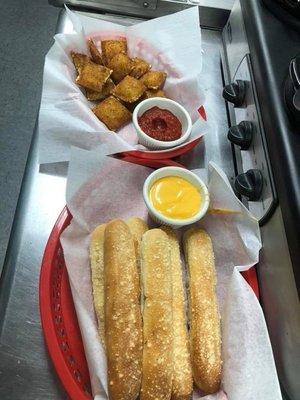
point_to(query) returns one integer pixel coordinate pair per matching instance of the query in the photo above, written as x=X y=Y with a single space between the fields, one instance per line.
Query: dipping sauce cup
x=185 y=202
x=164 y=104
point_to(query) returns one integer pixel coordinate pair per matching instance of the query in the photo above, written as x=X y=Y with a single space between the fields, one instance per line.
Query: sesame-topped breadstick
x=182 y=384
x=205 y=336
x=157 y=316
x=123 y=320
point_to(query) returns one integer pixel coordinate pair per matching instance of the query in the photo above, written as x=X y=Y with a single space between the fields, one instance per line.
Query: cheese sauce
x=175 y=197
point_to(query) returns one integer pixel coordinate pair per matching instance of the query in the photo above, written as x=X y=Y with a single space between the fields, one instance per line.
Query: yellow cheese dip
x=175 y=197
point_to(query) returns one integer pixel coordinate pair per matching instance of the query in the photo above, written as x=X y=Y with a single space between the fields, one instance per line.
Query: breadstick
x=97 y=269
x=157 y=316
x=137 y=228
x=205 y=337
x=182 y=385
x=123 y=323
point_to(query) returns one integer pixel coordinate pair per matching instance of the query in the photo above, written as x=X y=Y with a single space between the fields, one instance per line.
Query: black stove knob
x=241 y=134
x=249 y=184
x=292 y=90
x=235 y=92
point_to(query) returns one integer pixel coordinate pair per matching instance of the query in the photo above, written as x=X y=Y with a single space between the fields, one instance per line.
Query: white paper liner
x=171 y=43
x=107 y=188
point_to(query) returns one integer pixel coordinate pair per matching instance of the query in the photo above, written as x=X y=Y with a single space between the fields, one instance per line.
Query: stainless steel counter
x=25 y=369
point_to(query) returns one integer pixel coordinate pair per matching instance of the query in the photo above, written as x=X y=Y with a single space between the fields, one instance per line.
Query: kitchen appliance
x=251 y=54
x=287 y=11
x=261 y=63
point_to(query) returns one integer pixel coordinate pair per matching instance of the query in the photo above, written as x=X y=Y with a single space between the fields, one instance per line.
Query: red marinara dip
x=160 y=124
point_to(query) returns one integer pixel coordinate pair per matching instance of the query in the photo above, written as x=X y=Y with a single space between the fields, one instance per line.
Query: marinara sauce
x=160 y=124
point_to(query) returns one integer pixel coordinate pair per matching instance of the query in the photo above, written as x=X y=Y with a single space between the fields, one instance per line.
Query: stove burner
x=288 y=11
x=292 y=6
x=292 y=90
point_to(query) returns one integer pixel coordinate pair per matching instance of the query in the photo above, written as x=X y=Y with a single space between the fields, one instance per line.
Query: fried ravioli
x=140 y=67
x=107 y=88
x=129 y=89
x=121 y=65
x=112 y=113
x=154 y=93
x=154 y=79
x=112 y=47
x=115 y=81
x=93 y=76
x=95 y=54
x=79 y=60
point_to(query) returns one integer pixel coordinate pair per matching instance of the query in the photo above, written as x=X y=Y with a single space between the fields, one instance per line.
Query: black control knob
x=235 y=92
x=241 y=134
x=249 y=184
x=292 y=90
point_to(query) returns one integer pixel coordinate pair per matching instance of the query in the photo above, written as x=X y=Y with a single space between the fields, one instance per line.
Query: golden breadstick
x=97 y=268
x=123 y=322
x=137 y=228
x=205 y=336
x=157 y=316
x=182 y=385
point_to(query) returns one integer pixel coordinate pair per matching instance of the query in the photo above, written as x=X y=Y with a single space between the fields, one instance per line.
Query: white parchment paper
x=171 y=44
x=102 y=188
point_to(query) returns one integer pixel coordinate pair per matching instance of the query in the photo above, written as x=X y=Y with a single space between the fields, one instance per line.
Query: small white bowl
x=166 y=104
x=182 y=173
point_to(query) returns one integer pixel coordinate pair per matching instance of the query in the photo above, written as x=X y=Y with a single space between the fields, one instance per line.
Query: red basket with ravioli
x=116 y=83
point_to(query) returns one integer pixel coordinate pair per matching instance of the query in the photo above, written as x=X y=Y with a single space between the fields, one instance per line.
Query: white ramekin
x=166 y=104
x=182 y=173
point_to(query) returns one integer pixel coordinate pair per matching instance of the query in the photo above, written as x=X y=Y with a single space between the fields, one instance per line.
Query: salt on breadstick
x=182 y=385
x=205 y=336
x=97 y=270
x=137 y=228
x=157 y=316
x=123 y=322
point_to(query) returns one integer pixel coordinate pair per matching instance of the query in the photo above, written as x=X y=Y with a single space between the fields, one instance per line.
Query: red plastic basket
x=164 y=154
x=58 y=316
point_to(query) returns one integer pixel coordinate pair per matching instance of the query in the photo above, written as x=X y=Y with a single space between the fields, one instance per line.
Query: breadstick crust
x=205 y=336
x=137 y=227
x=182 y=384
x=123 y=323
x=97 y=269
x=157 y=316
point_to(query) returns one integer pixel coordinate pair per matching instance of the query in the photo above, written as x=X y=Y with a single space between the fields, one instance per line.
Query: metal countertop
x=25 y=369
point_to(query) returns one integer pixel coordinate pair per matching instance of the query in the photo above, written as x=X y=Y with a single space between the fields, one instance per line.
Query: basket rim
x=164 y=154
x=48 y=325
